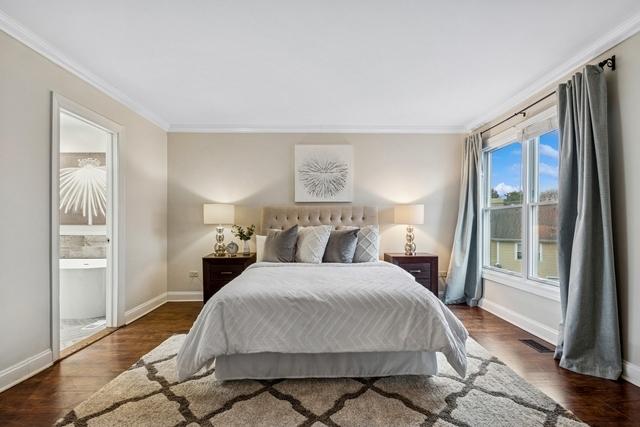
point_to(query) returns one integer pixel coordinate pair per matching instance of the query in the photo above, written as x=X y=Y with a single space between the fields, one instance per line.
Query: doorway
x=84 y=211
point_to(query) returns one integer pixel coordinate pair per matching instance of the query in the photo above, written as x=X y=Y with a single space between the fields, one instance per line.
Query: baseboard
x=631 y=373
x=523 y=322
x=178 y=296
x=144 y=308
x=25 y=369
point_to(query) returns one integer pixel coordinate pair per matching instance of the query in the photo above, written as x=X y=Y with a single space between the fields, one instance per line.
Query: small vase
x=245 y=248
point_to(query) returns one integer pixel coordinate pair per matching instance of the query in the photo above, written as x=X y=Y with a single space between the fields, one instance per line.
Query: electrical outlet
x=442 y=274
x=194 y=274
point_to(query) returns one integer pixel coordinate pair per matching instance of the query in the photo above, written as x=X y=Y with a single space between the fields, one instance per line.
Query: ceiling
x=331 y=65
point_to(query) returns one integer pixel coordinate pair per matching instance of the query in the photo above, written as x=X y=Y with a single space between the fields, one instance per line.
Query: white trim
x=25 y=369
x=610 y=39
x=145 y=308
x=535 y=287
x=179 y=296
x=115 y=232
x=239 y=128
x=532 y=326
x=631 y=373
x=27 y=37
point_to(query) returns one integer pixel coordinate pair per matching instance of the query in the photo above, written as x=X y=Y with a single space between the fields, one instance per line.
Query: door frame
x=115 y=279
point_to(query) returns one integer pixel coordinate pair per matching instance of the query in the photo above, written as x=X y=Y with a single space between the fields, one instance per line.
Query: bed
x=297 y=320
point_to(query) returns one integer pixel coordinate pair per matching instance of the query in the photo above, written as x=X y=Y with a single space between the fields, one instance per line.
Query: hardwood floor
x=42 y=399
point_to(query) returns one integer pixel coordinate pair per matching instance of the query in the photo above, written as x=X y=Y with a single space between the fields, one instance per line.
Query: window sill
x=526 y=285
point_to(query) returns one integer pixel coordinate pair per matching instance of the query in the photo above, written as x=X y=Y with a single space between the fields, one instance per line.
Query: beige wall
x=26 y=82
x=624 y=133
x=253 y=170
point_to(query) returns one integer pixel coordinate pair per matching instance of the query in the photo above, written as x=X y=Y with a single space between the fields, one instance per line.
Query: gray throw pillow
x=341 y=246
x=367 y=247
x=312 y=242
x=280 y=245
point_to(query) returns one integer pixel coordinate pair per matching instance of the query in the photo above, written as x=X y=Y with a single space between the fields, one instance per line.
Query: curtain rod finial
x=609 y=62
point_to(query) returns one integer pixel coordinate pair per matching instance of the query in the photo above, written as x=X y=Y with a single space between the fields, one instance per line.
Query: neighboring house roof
x=506 y=223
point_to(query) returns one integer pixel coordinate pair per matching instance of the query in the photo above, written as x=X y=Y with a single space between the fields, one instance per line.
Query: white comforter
x=322 y=308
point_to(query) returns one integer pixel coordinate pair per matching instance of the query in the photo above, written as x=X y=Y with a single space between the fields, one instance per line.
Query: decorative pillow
x=260 y=247
x=367 y=249
x=341 y=246
x=280 y=245
x=312 y=241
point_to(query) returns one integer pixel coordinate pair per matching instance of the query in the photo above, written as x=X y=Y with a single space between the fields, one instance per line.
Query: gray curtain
x=589 y=341
x=463 y=277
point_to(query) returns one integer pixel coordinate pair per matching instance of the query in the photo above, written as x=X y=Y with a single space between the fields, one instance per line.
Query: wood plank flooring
x=42 y=399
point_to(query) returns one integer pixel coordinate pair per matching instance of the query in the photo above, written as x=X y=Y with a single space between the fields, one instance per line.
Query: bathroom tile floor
x=74 y=330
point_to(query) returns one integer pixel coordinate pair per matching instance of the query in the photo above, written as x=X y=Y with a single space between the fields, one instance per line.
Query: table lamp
x=220 y=215
x=409 y=215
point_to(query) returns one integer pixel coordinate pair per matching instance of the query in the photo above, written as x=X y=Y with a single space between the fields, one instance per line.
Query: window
x=520 y=210
x=503 y=216
x=544 y=205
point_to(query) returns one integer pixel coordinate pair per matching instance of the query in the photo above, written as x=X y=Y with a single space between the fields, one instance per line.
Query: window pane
x=546 y=188
x=505 y=239
x=505 y=169
x=545 y=247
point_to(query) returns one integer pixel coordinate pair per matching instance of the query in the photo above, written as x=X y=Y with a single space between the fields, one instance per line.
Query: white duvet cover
x=322 y=308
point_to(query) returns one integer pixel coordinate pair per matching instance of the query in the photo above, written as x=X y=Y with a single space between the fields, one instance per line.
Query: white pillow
x=312 y=242
x=260 y=247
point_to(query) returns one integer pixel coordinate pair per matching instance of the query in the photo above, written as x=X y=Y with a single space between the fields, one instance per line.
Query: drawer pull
x=415 y=271
x=226 y=272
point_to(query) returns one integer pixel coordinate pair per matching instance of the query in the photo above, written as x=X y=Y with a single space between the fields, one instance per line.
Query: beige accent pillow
x=312 y=242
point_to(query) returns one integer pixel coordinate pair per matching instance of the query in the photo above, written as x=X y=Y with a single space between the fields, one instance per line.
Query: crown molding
x=33 y=41
x=214 y=128
x=618 y=34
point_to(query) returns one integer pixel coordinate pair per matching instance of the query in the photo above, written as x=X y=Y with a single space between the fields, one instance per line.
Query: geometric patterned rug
x=148 y=394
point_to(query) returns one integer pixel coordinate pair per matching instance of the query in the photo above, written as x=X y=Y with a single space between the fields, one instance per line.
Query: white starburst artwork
x=83 y=190
x=323 y=173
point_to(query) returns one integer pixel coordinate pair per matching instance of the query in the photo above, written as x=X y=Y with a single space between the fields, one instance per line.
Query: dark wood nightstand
x=422 y=265
x=218 y=271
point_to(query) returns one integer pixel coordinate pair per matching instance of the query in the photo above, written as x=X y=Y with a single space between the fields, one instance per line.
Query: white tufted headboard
x=282 y=217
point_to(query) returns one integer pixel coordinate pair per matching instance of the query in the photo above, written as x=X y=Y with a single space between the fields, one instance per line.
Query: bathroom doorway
x=85 y=297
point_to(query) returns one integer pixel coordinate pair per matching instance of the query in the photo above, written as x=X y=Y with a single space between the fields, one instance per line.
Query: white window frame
x=524 y=280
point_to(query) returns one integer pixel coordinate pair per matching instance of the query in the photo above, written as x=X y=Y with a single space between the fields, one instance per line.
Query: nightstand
x=423 y=266
x=218 y=271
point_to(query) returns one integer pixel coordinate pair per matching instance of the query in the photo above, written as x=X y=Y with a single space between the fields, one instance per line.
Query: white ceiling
x=336 y=65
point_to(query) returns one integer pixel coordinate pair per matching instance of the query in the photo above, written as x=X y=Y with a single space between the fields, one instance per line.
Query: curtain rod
x=609 y=62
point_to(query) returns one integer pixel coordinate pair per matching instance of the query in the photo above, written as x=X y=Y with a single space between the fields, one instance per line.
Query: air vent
x=540 y=348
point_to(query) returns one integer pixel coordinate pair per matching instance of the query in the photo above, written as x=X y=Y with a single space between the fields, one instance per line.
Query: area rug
x=148 y=394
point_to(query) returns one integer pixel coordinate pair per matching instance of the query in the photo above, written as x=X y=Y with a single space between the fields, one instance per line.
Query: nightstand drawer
x=420 y=270
x=224 y=272
x=218 y=271
x=422 y=266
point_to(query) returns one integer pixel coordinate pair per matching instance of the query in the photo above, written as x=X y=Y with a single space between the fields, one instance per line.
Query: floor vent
x=540 y=348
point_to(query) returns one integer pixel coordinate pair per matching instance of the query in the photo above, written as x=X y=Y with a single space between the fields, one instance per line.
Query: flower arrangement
x=243 y=234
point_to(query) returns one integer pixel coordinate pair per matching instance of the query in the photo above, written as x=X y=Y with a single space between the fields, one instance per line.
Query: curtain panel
x=589 y=339
x=464 y=283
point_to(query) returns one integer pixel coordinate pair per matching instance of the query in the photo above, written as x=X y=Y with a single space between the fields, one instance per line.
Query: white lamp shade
x=409 y=214
x=215 y=213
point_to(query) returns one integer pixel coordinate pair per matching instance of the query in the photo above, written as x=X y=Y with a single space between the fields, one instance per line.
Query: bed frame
x=322 y=365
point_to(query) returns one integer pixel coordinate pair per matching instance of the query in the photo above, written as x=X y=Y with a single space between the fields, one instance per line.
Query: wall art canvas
x=83 y=188
x=323 y=173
